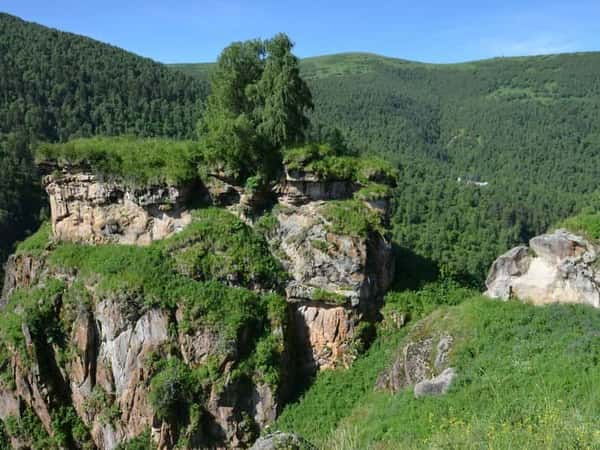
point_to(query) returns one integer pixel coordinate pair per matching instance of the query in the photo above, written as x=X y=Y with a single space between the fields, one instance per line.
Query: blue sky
x=431 y=31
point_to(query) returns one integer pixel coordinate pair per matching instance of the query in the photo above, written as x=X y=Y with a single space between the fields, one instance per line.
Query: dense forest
x=527 y=126
x=55 y=86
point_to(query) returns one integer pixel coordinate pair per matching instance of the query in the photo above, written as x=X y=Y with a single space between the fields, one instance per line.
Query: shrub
x=171 y=390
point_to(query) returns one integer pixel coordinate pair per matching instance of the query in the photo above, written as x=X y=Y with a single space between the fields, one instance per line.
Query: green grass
x=587 y=223
x=135 y=160
x=37 y=242
x=322 y=161
x=351 y=217
x=219 y=246
x=527 y=378
x=373 y=191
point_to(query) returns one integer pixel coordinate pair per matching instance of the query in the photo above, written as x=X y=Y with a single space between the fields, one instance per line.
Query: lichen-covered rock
x=336 y=280
x=557 y=267
x=282 y=441
x=437 y=385
x=420 y=362
x=87 y=209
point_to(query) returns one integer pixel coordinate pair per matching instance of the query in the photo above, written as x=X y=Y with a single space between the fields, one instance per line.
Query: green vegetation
x=57 y=86
x=587 y=223
x=525 y=125
x=36 y=308
x=519 y=384
x=327 y=163
x=37 y=242
x=139 y=161
x=142 y=442
x=374 y=191
x=29 y=428
x=257 y=106
x=321 y=295
x=351 y=217
x=219 y=246
x=172 y=389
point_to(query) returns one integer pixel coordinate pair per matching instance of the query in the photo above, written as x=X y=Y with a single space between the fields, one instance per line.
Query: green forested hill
x=528 y=126
x=56 y=85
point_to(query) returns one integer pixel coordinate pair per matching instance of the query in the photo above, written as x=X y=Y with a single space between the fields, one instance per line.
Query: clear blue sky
x=431 y=31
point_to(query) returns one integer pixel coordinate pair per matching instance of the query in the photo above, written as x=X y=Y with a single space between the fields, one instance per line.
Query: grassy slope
x=528 y=378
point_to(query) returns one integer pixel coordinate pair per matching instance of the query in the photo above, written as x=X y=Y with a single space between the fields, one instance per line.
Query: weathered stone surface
x=437 y=385
x=559 y=267
x=87 y=209
x=20 y=271
x=324 y=333
x=300 y=188
x=421 y=360
x=358 y=269
x=282 y=441
x=336 y=281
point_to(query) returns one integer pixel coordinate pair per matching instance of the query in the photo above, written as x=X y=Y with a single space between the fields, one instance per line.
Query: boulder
x=558 y=267
x=437 y=385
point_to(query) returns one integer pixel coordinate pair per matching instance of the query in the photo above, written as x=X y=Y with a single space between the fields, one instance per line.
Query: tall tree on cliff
x=258 y=105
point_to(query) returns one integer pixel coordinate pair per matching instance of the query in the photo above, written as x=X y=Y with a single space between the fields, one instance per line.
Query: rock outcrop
x=297 y=188
x=423 y=363
x=336 y=281
x=87 y=209
x=106 y=376
x=557 y=267
x=282 y=441
x=112 y=342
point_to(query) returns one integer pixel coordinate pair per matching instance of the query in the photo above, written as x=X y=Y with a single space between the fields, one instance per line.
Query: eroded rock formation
x=336 y=281
x=87 y=209
x=105 y=362
x=104 y=368
x=557 y=267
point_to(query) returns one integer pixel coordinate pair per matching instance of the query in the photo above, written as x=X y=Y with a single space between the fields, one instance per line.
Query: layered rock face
x=558 y=267
x=106 y=375
x=86 y=209
x=114 y=342
x=336 y=281
x=297 y=188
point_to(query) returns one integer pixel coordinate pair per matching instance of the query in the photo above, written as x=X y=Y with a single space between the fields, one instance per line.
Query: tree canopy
x=258 y=104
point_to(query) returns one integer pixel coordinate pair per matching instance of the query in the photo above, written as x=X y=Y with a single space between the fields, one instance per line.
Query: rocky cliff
x=556 y=267
x=189 y=331
x=87 y=209
x=337 y=279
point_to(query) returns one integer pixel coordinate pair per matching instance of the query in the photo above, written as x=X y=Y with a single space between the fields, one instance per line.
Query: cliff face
x=86 y=209
x=557 y=267
x=336 y=281
x=129 y=359
x=105 y=367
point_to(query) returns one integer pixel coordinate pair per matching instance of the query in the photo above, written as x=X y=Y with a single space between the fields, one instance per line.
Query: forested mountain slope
x=527 y=126
x=56 y=85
